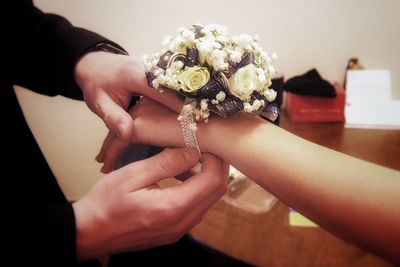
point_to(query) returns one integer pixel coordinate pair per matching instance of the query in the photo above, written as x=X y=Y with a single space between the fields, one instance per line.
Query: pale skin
x=351 y=198
x=126 y=210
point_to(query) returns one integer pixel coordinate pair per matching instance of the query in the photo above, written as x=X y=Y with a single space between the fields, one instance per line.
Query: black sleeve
x=41 y=50
x=43 y=241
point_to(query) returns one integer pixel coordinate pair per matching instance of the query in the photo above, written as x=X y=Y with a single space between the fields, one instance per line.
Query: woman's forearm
x=350 y=197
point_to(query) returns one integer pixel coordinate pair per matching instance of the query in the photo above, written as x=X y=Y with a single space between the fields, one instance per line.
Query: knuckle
x=106 y=117
x=150 y=224
x=162 y=218
x=126 y=68
x=171 y=211
x=155 y=221
x=96 y=107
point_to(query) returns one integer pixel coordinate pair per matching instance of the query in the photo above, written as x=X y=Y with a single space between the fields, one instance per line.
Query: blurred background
x=305 y=34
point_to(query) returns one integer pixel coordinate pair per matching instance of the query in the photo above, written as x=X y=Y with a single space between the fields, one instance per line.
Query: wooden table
x=267 y=239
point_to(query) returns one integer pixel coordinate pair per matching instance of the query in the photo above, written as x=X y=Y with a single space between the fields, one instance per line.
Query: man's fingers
x=197 y=194
x=114 y=150
x=205 y=187
x=168 y=163
x=103 y=150
x=186 y=175
x=114 y=116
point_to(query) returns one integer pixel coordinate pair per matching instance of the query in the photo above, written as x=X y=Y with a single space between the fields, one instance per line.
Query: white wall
x=69 y=135
x=305 y=33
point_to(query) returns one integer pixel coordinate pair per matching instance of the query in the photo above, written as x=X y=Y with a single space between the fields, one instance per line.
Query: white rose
x=193 y=78
x=244 y=82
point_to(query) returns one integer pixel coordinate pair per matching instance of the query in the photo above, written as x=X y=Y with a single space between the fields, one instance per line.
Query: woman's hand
x=157 y=125
x=152 y=124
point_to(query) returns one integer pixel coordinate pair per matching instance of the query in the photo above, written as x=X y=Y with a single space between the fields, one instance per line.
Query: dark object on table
x=311 y=84
x=278 y=86
x=304 y=108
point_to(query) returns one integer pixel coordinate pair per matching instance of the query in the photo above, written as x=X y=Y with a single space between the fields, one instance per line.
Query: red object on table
x=303 y=108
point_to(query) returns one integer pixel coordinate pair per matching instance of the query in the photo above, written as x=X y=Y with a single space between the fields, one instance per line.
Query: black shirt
x=39 y=52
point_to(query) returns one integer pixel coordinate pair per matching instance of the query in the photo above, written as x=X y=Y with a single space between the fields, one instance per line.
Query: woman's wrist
x=207 y=135
x=215 y=132
x=216 y=136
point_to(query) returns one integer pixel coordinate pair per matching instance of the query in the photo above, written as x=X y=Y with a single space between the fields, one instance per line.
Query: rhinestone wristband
x=189 y=126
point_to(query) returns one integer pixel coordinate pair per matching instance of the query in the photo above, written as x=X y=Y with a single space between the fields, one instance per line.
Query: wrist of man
x=102 y=47
x=107 y=47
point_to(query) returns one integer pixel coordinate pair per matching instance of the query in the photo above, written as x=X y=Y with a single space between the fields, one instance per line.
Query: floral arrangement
x=222 y=74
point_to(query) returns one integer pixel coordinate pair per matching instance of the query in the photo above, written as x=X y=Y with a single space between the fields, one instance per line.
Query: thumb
x=168 y=163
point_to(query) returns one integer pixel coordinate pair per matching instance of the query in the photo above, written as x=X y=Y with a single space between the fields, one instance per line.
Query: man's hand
x=126 y=210
x=153 y=124
x=109 y=81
